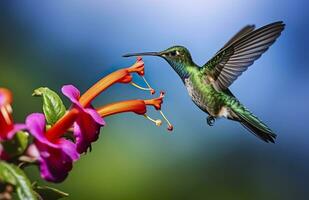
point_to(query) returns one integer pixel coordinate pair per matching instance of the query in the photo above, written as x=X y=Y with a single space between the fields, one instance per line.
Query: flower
x=7 y=126
x=87 y=125
x=124 y=76
x=56 y=154
x=119 y=76
x=55 y=157
x=137 y=106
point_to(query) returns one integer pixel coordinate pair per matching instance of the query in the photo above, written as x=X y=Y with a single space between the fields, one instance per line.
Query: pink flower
x=55 y=157
x=87 y=125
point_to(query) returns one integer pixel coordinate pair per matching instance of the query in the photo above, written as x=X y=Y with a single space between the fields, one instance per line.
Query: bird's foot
x=211 y=120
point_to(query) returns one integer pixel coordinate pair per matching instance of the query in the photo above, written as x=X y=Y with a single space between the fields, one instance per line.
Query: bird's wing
x=245 y=30
x=239 y=53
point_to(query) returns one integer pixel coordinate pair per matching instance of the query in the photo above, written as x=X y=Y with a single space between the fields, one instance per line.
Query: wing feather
x=245 y=30
x=239 y=53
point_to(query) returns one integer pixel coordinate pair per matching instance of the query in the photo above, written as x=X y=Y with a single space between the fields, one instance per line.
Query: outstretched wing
x=245 y=30
x=239 y=53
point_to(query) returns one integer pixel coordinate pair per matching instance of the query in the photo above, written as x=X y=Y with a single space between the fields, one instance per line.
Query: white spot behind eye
x=177 y=53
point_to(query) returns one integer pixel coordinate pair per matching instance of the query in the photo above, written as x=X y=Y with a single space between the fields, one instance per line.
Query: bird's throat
x=180 y=68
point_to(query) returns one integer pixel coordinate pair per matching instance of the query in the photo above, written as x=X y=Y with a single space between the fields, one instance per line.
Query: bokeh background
x=60 y=42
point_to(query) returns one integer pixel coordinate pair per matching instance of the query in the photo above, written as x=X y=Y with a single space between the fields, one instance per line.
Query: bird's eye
x=173 y=53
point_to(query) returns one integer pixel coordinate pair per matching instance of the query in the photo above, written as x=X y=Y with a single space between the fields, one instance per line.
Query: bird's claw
x=211 y=120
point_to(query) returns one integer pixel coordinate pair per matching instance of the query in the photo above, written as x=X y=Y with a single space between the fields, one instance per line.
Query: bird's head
x=177 y=56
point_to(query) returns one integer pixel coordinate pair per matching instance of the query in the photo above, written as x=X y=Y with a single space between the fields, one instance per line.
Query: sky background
x=52 y=43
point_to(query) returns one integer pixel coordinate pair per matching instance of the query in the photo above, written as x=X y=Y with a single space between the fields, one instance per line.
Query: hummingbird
x=208 y=85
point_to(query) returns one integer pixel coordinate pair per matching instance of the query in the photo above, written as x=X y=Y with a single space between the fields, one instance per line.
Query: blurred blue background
x=78 y=42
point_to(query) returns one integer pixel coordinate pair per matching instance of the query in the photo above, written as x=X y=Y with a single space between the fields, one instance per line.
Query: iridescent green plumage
x=208 y=85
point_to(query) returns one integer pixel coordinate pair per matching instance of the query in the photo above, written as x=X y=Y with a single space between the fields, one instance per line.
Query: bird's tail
x=254 y=125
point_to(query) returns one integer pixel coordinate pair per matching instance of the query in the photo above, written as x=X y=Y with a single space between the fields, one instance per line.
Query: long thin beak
x=142 y=54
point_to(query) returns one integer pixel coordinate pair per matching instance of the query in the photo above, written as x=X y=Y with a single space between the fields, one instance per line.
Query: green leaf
x=15 y=176
x=17 y=145
x=49 y=193
x=53 y=107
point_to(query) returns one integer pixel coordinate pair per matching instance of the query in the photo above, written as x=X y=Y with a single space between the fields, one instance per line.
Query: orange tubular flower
x=62 y=125
x=137 y=106
x=84 y=102
x=119 y=76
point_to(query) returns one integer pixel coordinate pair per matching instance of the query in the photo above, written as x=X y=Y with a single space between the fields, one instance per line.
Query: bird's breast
x=196 y=95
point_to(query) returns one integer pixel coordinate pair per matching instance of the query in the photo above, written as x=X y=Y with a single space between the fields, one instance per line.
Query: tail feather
x=254 y=125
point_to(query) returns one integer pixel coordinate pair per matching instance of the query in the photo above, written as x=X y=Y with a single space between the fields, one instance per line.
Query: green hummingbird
x=208 y=85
